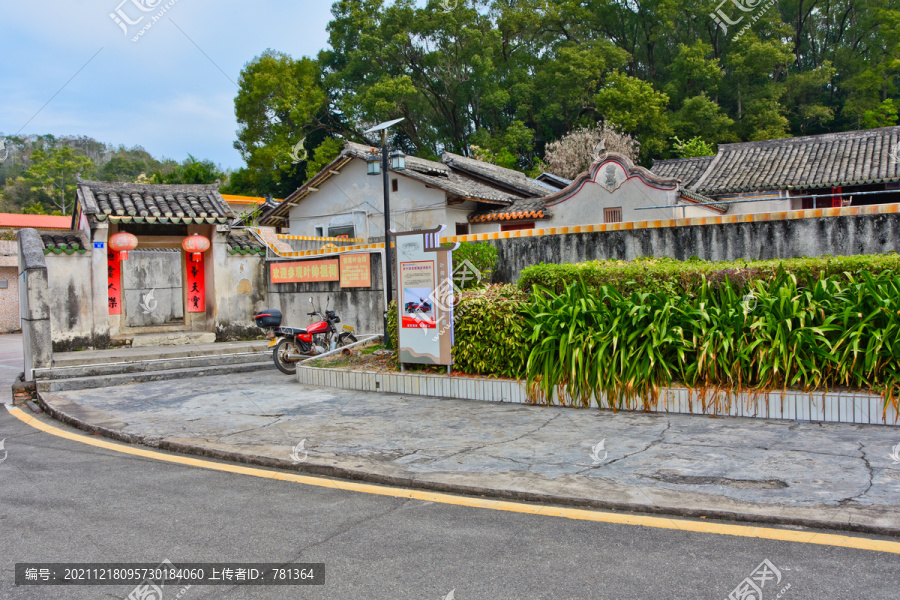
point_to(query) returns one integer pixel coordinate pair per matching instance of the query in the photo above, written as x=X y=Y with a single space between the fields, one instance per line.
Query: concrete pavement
x=779 y=472
x=11 y=361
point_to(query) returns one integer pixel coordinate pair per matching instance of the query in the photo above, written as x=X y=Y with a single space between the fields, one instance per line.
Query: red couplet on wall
x=114 y=276
x=196 y=285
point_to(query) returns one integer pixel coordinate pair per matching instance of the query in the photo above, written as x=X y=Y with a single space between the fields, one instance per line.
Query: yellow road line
x=766 y=533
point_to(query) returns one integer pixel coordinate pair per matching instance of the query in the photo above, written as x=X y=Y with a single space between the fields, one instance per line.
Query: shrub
x=601 y=345
x=482 y=255
x=490 y=331
x=670 y=276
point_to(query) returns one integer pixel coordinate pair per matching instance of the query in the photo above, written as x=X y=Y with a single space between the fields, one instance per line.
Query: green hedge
x=604 y=346
x=490 y=331
x=666 y=275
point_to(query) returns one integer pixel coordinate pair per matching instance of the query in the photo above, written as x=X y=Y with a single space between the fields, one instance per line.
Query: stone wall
x=9 y=287
x=361 y=308
x=241 y=292
x=779 y=235
x=71 y=305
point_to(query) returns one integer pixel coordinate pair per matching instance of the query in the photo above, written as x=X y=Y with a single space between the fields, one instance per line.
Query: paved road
x=821 y=473
x=11 y=363
x=63 y=501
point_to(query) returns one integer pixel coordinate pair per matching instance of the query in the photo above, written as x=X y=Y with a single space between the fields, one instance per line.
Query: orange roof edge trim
x=16 y=221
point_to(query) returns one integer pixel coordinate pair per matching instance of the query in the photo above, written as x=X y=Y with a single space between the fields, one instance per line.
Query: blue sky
x=160 y=92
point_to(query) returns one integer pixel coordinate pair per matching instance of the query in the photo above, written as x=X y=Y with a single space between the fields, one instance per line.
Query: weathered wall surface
x=357 y=199
x=71 y=306
x=9 y=287
x=9 y=300
x=361 y=308
x=241 y=292
x=756 y=239
x=34 y=303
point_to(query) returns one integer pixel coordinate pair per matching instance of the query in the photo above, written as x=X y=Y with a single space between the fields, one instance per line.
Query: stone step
x=162 y=337
x=85 y=383
x=149 y=365
x=126 y=355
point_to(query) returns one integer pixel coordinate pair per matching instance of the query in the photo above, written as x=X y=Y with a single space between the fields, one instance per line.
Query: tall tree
x=55 y=172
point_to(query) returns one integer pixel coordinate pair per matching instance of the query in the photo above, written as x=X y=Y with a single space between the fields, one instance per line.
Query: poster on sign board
x=425 y=287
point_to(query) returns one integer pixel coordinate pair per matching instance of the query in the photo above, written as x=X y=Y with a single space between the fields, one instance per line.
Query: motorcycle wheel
x=286 y=347
x=345 y=339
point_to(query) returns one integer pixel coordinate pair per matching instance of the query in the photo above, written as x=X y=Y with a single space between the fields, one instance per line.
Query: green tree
x=638 y=109
x=279 y=102
x=191 y=171
x=55 y=172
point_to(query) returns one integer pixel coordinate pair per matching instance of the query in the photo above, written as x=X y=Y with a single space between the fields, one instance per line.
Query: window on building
x=395 y=185
x=346 y=231
x=462 y=229
x=612 y=215
x=517 y=226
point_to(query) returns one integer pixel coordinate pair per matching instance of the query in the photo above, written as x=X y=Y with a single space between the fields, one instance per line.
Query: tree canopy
x=510 y=77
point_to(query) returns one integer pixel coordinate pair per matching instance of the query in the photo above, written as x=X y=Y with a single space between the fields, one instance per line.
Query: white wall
x=355 y=198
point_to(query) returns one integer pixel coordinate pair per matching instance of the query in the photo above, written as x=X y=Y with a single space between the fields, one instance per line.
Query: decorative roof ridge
x=631 y=170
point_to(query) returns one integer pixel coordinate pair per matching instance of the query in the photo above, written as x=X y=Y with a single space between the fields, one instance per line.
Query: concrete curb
x=62 y=410
x=791 y=405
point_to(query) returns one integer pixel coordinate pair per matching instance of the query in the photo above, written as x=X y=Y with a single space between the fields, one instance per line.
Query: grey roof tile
x=818 y=161
x=688 y=170
x=152 y=203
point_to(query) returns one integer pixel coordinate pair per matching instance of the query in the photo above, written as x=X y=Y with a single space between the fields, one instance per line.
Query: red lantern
x=196 y=245
x=122 y=243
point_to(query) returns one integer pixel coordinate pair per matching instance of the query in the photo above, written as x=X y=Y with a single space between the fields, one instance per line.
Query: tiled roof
x=527 y=208
x=244 y=244
x=443 y=177
x=515 y=181
x=132 y=202
x=66 y=242
x=688 y=170
x=817 y=161
x=459 y=177
x=13 y=221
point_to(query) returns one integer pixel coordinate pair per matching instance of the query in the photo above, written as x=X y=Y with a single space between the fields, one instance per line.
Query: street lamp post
x=386 y=160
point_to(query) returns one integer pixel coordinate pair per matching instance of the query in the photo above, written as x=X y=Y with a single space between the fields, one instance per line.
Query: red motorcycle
x=293 y=344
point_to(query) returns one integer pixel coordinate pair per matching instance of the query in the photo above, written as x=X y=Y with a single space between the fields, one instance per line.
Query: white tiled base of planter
x=864 y=409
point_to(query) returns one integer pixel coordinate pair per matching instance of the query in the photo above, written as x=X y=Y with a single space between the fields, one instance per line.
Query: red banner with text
x=196 y=286
x=114 y=277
